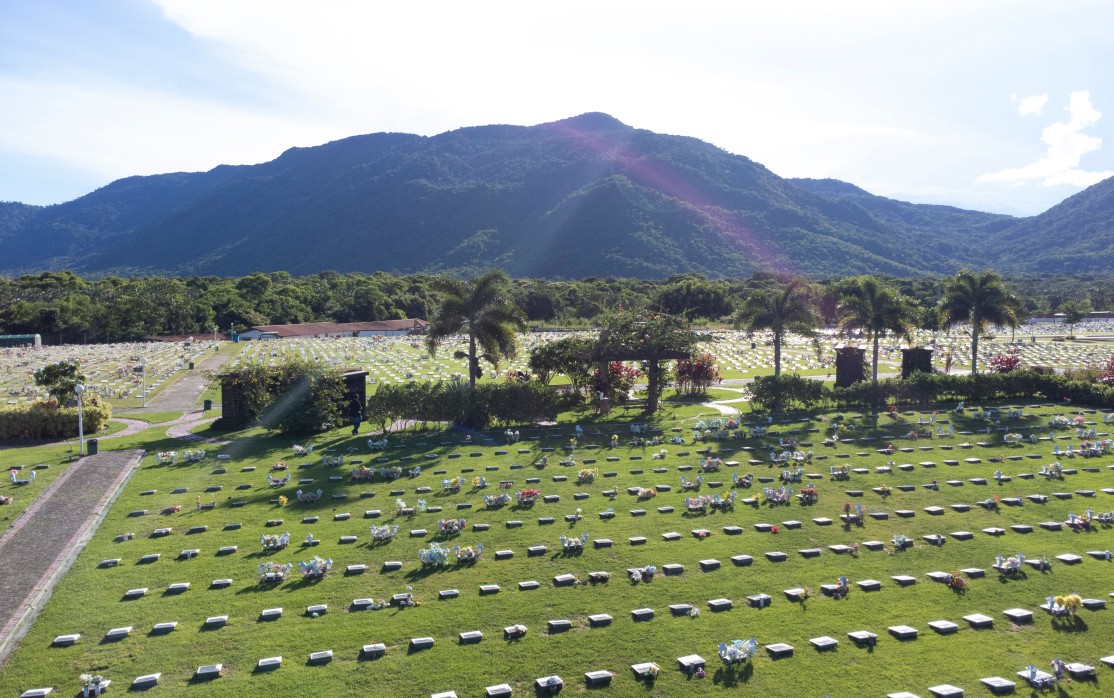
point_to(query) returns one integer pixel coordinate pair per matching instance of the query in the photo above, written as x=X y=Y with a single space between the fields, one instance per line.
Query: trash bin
x=191 y=365
x=93 y=447
x=208 y=405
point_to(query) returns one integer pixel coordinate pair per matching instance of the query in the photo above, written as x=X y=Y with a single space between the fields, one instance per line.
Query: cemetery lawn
x=150 y=417
x=91 y=599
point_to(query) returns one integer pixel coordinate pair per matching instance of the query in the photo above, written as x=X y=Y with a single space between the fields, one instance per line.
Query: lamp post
x=143 y=386
x=79 y=389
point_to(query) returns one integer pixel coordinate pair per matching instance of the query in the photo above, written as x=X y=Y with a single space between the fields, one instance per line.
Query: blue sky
x=996 y=105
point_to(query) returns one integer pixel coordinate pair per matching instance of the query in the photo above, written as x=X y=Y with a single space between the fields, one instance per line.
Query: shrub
x=296 y=397
x=45 y=420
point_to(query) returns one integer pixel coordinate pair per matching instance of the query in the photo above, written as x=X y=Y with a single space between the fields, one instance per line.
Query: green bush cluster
x=44 y=420
x=794 y=392
x=455 y=403
x=296 y=397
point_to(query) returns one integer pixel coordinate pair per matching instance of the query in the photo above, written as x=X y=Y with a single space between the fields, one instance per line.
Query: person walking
x=356 y=413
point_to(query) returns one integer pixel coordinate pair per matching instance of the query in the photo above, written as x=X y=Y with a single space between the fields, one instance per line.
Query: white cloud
x=1067 y=144
x=1033 y=104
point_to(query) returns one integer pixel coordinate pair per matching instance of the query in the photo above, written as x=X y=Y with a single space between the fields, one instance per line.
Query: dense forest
x=65 y=308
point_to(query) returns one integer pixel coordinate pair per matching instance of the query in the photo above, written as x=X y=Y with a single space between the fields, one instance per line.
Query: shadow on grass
x=1070 y=624
x=732 y=675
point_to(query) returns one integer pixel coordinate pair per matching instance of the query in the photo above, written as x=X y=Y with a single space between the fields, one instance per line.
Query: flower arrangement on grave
x=598 y=577
x=384 y=533
x=5 y=500
x=660 y=455
x=193 y=455
x=279 y=466
x=1067 y=605
x=744 y=481
x=738 y=651
x=278 y=481
x=647 y=493
x=435 y=555
x=496 y=501
x=121 y=537
x=842 y=588
x=789 y=476
x=452 y=484
x=362 y=472
x=568 y=462
x=1080 y=523
x=451 y=527
x=1009 y=565
x=166 y=457
x=1060 y=422
x=710 y=465
x=479 y=482
x=377 y=445
x=653 y=670
x=695 y=505
x=885 y=491
x=1055 y=471
x=643 y=574
x=272 y=542
x=957 y=582
x=810 y=495
x=901 y=542
x=308 y=497
x=92 y=684
x=527 y=497
x=414 y=472
x=574 y=544
x=724 y=503
x=1013 y=439
x=542 y=462
x=300 y=450
x=282 y=500
x=777 y=497
x=468 y=553
x=332 y=461
x=172 y=509
x=390 y=473
x=691 y=485
x=586 y=476
x=315 y=568
x=273 y=571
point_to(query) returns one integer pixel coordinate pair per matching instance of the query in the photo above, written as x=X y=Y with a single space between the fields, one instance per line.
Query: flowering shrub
x=1107 y=374
x=1004 y=363
x=697 y=374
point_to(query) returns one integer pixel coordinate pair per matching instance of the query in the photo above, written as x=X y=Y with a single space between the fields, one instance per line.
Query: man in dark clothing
x=356 y=413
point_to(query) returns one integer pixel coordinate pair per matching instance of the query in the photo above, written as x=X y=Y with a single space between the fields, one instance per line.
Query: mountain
x=585 y=196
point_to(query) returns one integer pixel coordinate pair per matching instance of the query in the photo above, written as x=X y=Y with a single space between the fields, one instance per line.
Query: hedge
x=39 y=420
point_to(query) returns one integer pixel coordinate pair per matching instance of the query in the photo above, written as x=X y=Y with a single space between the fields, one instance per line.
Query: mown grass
x=90 y=600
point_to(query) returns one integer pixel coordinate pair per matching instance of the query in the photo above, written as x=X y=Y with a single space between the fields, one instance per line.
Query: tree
x=781 y=309
x=1073 y=314
x=979 y=299
x=654 y=339
x=571 y=356
x=484 y=309
x=60 y=379
x=875 y=309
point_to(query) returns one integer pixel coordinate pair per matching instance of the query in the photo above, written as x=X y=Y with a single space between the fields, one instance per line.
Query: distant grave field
x=629 y=557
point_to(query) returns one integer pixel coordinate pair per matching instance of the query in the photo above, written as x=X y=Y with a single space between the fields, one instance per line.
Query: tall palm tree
x=877 y=310
x=980 y=299
x=788 y=308
x=483 y=309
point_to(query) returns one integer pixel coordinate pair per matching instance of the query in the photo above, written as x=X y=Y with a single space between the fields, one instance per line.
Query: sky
x=993 y=105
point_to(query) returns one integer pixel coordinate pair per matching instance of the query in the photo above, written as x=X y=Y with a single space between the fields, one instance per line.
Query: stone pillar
x=849 y=366
x=916 y=359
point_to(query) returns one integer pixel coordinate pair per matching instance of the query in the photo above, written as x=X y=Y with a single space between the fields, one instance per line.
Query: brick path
x=39 y=549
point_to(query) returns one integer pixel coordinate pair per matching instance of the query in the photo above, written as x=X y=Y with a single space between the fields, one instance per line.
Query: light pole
x=79 y=389
x=143 y=387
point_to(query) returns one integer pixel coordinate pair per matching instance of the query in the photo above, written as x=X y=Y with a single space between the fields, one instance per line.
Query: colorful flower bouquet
x=643 y=574
x=384 y=533
x=744 y=481
x=279 y=466
x=315 y=568
x=587 y=476
x=193 y=455
x=479 y=482
x=435 y=555
x=272 y=542
x=697 y=505
x=496 y=501
x=957 y=583
x=303 y=450
x=331 y=461
x=451 y=527
x=166 y=457
x=1064 y=606
x=390 y=473
x=278 y=481
x=810 y=495
x=452 y=484
x=273 y=572
x=308 y=497
x=573 y=544
x=738 y=651
x=645 y=493
x=1009 y=565
x=527 y=497
x=691 y=485
x=901 y=542
x=362 y=472
x=468 y=554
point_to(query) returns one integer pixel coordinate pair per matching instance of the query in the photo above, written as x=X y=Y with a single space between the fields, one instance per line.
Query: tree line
x=65 y=308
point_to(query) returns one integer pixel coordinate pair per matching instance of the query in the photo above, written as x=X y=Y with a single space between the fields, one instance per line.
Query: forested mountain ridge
x=585 y=196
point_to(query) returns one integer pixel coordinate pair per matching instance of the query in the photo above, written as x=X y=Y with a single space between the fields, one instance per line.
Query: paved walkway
x=182 y=395
x=42 y=544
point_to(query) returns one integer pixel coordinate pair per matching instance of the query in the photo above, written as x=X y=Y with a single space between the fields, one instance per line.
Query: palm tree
x=785 y=309
x=980 y=299
x=877 y=310
x=485 y=310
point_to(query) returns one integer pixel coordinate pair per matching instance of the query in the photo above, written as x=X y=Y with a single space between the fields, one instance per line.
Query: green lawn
x=90 y=600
